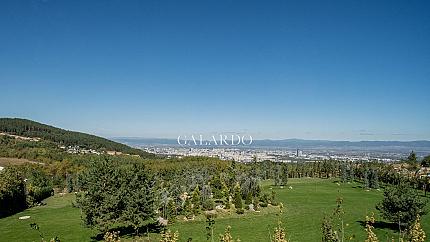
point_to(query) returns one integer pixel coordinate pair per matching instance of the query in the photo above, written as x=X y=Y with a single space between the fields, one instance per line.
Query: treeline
x=28 y=128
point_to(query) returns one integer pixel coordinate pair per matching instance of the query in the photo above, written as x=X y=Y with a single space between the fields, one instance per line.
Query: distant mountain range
x=419 y=145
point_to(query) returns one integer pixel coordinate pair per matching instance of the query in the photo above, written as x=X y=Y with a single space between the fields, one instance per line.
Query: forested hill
x=29 y=128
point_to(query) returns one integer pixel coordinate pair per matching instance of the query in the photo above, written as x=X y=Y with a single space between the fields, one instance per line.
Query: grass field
x=304 y=207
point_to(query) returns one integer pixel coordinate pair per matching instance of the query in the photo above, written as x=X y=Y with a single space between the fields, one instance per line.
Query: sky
x=336 y=70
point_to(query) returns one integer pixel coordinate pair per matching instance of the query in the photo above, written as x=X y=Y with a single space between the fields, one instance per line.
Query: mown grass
x=304 y=207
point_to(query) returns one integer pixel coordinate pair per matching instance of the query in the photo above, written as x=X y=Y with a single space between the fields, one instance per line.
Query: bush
x=240 y=211
x=209 y=204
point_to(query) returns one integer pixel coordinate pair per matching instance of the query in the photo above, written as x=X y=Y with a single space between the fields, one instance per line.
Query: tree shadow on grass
x=125 y=231
x=381 y=225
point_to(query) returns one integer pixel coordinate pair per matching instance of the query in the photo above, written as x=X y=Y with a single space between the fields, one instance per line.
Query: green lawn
x=305 y=206
x=58 y=217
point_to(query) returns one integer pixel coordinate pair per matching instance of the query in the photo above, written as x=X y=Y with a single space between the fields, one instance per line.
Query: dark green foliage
x=12 y=191
x=69 y=183
x=366 y=179
x=28 y=128
x=373 y=179
x=250 y=188
x=171 y=210
x=208 y=202
x=210 y=225
x=240 y=211
x=248 y=199
x=426 y=161
x=412 y=158
x=38 y=185
x=278 y=173
x=401 y=204
x=328 y=232
x=116 y=194
x=196 y=201
x=187 y=209
x=237 y=199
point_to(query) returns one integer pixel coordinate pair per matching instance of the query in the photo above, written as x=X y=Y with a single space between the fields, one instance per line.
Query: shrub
x=240 y=211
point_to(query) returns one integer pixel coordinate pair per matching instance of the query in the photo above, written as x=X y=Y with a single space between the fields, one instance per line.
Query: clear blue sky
x=339 y=70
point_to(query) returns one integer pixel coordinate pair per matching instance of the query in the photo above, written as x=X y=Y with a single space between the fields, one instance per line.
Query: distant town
x=291 y=150
x=277 y=155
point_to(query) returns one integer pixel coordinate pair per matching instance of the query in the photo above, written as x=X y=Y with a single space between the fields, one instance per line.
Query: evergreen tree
x=343 y=172
x=366 y=179
x=237 y=198
x=171 y=210
x=284 y=175
x=426 y=161
x=278 y=174
x=412 y=158
x=401 y=204
x=373 y=179
x=196 y=201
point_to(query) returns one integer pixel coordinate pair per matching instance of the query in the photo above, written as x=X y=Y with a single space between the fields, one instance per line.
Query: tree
x=171 y=210
x=12 y=191
x=366 y=179
x=188 y=210
x=208 y=202
x=210 y=226
x=227 y=237
x=401 y=204
x=69 y=183
x=416 y=233
x=371 y=236
x=196 y=200
x=373 y=179
x=279 y=234
x=277 y=175
x=426 y=161
x=116 y=194
x=412 y=158
x=138 y=196
x=237 y=199
x=328 y=232
x=284 y=174
x=344 y=172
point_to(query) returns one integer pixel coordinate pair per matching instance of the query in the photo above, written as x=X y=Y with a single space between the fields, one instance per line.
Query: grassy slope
x=305 y=206
x=58 y=217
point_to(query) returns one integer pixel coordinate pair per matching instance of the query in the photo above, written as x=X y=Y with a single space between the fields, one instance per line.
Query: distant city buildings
x=276 y=155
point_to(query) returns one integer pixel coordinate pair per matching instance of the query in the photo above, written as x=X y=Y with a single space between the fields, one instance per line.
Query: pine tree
x=366 y=179
x=238 y=199
x=196 y=201
x=171 y=210
x=188 y=209
x=284 y=175
x=278 y=174
x=343 y=172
